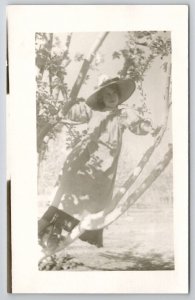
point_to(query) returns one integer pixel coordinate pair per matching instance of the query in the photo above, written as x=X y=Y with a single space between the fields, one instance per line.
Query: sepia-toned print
x=104 y=143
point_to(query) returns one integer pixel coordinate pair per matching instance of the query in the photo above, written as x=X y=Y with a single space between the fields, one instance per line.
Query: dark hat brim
x=126 y=88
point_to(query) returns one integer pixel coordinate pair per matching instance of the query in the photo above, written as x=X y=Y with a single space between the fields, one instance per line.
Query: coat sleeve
x=136 y=123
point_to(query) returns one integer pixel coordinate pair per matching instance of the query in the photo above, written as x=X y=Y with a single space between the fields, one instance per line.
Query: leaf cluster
x=142 y=48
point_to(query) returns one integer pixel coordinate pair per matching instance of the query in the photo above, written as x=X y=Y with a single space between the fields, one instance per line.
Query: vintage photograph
x=104 y=151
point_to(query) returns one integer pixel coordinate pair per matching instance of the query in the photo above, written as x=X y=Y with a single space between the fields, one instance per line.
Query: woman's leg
x=94 y=237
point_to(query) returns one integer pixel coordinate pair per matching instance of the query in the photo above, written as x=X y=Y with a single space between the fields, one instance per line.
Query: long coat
x=89 y=171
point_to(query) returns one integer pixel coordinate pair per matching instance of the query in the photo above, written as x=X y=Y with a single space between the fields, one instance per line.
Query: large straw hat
x=126 y=88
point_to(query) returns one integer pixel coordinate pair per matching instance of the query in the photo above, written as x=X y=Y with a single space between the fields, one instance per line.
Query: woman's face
x=110 y=97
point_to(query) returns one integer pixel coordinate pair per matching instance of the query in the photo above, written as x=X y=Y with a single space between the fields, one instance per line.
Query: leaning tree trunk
x=76 y=87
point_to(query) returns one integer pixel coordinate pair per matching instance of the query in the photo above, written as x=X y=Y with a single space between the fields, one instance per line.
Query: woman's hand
x=146 y=126
x=156 y=130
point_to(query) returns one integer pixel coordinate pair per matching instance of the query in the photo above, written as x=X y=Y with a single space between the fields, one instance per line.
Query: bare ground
x=142 y=239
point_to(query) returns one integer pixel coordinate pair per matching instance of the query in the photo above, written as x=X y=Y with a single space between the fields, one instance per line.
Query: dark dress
x=90 y=170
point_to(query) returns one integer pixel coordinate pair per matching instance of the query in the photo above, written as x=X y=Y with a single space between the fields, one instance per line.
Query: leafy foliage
x=142 y=47
x=51 y=64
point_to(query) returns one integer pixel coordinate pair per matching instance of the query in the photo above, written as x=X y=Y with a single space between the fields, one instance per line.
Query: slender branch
x=68 y=40
x=68 y=60
x=49 y=56
x=49 y=42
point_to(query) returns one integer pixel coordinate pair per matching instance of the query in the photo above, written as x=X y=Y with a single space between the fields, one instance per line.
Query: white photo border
x=26 y=276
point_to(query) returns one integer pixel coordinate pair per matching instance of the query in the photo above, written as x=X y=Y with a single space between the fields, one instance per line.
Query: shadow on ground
x=149 y=261
x=111 y=261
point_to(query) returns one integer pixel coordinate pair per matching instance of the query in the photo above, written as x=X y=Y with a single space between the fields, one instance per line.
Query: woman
x=88 y=177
